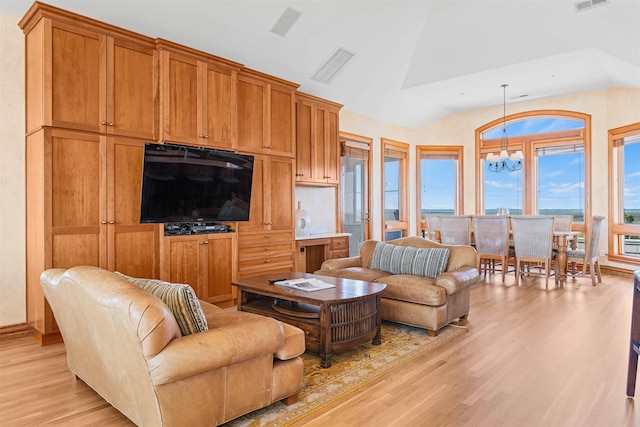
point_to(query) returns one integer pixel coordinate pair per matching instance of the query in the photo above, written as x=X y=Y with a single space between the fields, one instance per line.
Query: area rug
x=349 y=371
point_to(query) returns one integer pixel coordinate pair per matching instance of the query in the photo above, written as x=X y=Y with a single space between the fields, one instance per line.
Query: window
x=624 y=211
x=394 y=174
x=439 y=184
x=555 y=176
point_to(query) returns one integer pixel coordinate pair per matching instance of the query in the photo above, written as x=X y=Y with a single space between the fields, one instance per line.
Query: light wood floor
x=530 y=358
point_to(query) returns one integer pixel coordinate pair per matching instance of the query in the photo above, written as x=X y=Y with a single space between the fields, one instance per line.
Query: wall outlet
x=601 y=252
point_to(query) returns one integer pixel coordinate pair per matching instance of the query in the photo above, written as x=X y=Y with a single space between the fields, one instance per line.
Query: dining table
x=562 y=239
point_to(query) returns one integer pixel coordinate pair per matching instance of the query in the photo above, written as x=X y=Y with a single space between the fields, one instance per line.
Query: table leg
x=377 y=339
x=561 y=260
x=325 y=336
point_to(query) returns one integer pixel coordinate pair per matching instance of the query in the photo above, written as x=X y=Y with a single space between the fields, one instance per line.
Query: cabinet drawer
x=262 y=238
x=339 y=243
x=339 y=254
x=261 y=271
x=265 y=250
x=268 y=262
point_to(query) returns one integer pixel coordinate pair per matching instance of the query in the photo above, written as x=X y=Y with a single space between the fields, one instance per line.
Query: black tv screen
x=188 y=184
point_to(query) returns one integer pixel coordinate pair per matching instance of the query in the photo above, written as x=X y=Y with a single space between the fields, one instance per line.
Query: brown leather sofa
x=413 y=299
x=126 y=344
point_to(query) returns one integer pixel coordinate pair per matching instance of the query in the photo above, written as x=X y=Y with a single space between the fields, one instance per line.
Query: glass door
x=354 y=185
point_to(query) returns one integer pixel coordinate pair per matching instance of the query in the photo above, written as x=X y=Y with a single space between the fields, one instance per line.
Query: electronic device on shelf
x=186 y=228
x=182 y=184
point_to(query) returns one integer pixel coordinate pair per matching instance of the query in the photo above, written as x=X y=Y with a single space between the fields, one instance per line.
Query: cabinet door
x=251 y=115
x=132 y=90
x=281 y=121
x=260 y=193
x=133 y=247
x=78 y=201
x=332 y=147
x=183 y=257
x=179 y=98
x=218 y=106
x=304 y=140
x=280 y=181
x=319 y=146
x=220 y=268
x=76 y=73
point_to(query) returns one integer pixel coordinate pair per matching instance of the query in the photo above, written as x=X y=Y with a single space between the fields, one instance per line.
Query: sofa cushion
x=414 y=289
x=428 y=262
x=181 y=300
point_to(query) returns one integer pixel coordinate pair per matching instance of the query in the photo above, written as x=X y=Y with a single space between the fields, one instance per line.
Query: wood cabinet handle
x=110 y=123
x=103 y=122
x=203 y=136
x=267 y=261
x=103 y=222
x=112 y=222
x=299 y=174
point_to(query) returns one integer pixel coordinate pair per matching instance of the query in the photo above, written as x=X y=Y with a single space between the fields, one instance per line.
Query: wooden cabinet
x=267 y=239
x=317 y=141
x=206 y=262
x=91 y=102
x=90 y=79
x=83 y=208
x=266 y=114
x=199 y=97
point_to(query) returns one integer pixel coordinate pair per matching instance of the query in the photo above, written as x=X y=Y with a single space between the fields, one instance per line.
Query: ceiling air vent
x=332 y=66
x=286 y=21
x=589 y=4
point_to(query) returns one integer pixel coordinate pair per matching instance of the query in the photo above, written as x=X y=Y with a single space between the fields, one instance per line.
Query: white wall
x=12 y=185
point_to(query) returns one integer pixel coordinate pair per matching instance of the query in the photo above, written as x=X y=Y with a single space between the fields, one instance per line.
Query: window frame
x=456 y=152
x=617 y=227
x=399 y=150
x=528 y=145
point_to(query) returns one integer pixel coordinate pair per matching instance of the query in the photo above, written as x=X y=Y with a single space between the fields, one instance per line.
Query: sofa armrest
x=453 y=281
x=205 y=351
x=340 y=263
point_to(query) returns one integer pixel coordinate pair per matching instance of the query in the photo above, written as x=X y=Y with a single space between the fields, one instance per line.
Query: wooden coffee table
x=332 y=319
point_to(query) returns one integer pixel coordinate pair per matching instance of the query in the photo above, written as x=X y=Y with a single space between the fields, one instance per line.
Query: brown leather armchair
x=126 y=344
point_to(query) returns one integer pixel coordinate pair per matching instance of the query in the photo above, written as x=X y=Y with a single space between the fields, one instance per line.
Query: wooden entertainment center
x=95 y=93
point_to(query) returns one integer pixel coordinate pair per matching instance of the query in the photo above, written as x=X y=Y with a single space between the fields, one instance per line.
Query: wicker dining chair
x=455 y=229
x=491 y=235
x=588 y=256
x=533 y=241
x=433 y=227
x=563 y=222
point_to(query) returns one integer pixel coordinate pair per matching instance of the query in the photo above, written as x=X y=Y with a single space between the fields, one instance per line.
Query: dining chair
x=455 y=229
x=588 y=256
x=491 y=234
x=533 y=241
x=563 y=222
x=433 y=227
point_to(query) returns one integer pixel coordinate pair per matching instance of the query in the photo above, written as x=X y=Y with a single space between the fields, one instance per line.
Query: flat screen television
x=189 y=184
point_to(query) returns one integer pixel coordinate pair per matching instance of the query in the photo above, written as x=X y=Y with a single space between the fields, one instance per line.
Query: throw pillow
x=181 y=300
x=429 y=262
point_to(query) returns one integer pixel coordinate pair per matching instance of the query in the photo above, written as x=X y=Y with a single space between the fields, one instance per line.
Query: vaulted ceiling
x=416 y=61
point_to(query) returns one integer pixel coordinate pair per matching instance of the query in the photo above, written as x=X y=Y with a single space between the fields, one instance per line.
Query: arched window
x=555 y=177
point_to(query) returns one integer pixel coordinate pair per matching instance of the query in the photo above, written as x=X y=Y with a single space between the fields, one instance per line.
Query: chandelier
x=505 y=161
